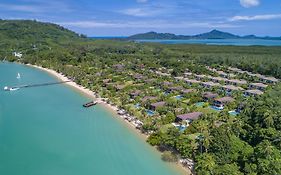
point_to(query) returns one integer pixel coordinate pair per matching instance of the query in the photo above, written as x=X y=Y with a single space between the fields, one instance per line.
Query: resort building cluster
x=150 y=98
x=155 y=92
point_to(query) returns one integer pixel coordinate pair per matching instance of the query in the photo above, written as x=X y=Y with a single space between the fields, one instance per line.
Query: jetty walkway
x=38 y=85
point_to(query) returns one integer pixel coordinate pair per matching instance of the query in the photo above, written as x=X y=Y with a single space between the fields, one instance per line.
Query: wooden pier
x=38 y=85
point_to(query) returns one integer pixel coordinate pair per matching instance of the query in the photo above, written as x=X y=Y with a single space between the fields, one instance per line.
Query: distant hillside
x=35 y=38
x=154 y=35
x=214 y=34
x=35 y=31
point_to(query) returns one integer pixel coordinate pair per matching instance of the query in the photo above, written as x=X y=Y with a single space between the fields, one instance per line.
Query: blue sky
x=127 y=17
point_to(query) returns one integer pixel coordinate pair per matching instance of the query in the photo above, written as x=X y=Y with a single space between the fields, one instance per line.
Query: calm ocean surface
x=235 y=42
x=45 y=131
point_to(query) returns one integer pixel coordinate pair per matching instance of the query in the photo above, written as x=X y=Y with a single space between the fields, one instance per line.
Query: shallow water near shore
x=45 y=130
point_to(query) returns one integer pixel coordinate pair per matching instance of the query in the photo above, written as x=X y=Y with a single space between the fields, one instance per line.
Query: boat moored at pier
x=89 y=104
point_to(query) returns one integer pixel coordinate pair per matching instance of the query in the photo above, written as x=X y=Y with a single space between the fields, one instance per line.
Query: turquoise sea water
x=45 y=131
x=235 y=42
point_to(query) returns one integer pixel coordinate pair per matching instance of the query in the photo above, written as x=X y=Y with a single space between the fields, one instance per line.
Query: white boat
x=14 y=89
x=6 y=88
x=18 y=77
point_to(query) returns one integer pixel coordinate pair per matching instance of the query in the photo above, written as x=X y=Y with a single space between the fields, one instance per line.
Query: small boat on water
x=14 y=89
x=18 y=76
x=89 y=104
x=6 y=88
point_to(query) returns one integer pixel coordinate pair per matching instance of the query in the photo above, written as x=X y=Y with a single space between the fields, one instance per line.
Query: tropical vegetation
x=219 y=143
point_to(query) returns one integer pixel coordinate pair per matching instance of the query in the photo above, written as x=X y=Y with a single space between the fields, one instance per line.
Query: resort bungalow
x=253 y=92
x=254 y=75
x=108 y=85
x=106 y=81
x=135 y=94
x=187 y=91
x=210 y=84
x=98 y=74
x=141 y=66
x=166 y=83
x=221 y=102
x=170 y=70
x=209 y=96
x=179 y=78
x=199 y=77
x=118 y=67
x=174 y=89
x=146 y=98
x=119 y=87
x=154 y=106
x=187 y=74
x=17 y=54
x=162 y=74
x=259 y=86
x=222 y=74
x=189 y=117
x=230 y=75
x=270 y=80
x=231 y=88
x=236 y=82
x=138 y=76
x=236 y=70
x=218 y=79
x=191 y=81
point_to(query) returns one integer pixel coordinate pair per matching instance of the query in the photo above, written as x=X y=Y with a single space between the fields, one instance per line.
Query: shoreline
x=87 y=93
x=106 y=106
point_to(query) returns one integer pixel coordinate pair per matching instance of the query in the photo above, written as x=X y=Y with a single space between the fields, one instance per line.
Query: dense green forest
x=250 y=143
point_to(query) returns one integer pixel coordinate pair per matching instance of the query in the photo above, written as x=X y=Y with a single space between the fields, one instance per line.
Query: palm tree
x=268 y=118
x=207 y=139
x=205 y=164
x=202 y=127
x=194 y=146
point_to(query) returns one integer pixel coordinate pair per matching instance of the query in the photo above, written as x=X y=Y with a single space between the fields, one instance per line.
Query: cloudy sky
x=126 y=17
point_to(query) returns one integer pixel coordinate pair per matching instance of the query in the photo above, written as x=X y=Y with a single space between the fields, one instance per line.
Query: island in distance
x=214 y=34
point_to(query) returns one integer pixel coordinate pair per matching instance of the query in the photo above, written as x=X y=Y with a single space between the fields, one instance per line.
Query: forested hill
x=29 y=37
x=29 y=30
x=214 y=34
x=154 y=35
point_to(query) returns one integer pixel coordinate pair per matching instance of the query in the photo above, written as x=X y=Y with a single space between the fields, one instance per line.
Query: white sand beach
x=80 y=88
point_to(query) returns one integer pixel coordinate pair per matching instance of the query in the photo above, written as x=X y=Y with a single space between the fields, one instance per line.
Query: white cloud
x=145 y=24
x=89 y=24
x=249 y=3
x=142 y=1
x=142 y=12
x=22 y=8
x=36 y=7
x=256 y=17
x=136 y=12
